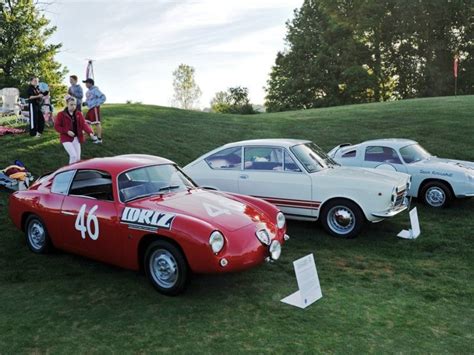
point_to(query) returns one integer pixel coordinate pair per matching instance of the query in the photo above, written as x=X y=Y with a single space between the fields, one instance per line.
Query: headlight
x=280 y=220
x=275 y=250
x=216 y=241
x=263 y=236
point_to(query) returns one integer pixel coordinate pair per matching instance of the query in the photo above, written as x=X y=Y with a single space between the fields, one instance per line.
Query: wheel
x=166 y=268
x=436 y=194
x=342 y=218
x=37 y=236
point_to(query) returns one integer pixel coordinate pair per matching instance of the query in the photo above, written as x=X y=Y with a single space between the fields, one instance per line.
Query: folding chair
x=10 y=104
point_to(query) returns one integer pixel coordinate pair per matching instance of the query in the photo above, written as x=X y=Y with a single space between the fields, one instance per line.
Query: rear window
x=62 y=181
x=228 y=159
x=349 y=154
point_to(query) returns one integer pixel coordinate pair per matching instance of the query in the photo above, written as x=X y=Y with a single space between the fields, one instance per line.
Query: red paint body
x=119 y=245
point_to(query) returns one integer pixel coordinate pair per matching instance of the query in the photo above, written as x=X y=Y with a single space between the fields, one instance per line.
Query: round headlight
x=216 y=241
x=280 y=220
x=275 y=250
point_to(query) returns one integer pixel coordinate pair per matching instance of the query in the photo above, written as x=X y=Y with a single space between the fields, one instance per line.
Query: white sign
x=414 y=231
x=308 y=283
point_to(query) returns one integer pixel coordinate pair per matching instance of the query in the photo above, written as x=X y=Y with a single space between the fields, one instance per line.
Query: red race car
x=141 y=211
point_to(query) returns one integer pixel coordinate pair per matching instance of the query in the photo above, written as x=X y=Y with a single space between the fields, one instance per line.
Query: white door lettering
x=89 y=226
x=144 y=217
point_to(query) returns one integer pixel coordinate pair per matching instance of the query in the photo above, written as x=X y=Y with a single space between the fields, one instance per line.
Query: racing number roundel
x=89 y=226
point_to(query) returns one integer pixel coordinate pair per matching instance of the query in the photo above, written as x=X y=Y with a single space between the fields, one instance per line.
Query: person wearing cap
x=70 y=124
x=75 y=90
x=94 y=98
x=36 y=116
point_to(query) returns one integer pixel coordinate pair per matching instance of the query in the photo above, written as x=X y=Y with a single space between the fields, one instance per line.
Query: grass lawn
x=380 y=294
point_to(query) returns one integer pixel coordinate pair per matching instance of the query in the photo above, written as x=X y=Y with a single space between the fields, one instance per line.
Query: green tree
x=186 y=90
x=24 y=31
x=234 y=100
x=323 y=65
x=220 y=102
x=349 y=51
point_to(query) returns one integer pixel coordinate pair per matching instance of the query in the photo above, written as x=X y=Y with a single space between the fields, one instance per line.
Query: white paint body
x=457 y=173
x=302 y=194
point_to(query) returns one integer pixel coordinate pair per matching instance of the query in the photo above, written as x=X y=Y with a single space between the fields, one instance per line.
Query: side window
x=349 y=154
x=290 y=164
x=62 y=182
x=263 y=158
x=228 y=159
x=92 y=183
x=382 y=154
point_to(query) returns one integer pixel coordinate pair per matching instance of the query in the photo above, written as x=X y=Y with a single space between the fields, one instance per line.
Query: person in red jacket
x=70 y=124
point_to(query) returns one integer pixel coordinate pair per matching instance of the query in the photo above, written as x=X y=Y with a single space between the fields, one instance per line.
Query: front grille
x=400 y=198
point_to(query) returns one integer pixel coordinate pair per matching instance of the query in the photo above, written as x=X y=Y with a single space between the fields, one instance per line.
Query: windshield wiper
x=169 y=187
x=137 y=197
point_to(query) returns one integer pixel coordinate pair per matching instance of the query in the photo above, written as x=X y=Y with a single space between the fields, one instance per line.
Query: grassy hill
x=381 y=294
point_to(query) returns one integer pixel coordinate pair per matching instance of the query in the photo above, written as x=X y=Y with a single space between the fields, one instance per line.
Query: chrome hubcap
x=341 y=220
x=435 y=196
x=36 y=235
x=164 y=268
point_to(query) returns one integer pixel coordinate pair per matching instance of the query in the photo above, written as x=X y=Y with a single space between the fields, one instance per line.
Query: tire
x=436 y=194
x=166 y=268
x=37 y=236
x=342 y=218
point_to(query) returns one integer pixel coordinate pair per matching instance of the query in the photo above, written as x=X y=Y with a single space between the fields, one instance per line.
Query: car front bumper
x=394 y=211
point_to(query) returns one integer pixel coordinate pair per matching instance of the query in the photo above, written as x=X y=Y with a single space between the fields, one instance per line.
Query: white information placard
x=308 y=283
x=414 y=231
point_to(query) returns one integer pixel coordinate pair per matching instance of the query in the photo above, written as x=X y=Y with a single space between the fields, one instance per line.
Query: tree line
x=352 y=51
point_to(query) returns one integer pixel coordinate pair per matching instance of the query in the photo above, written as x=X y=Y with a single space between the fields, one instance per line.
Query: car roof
x=391 y=142
x=285 y=142
x=119 y=163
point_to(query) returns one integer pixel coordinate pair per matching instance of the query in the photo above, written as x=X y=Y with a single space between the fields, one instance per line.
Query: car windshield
x=152 y=180
x=312 y=157
x=413 y=153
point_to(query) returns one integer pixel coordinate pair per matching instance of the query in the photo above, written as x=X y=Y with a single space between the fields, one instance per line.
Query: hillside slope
x=381 y=294
x=445 y=126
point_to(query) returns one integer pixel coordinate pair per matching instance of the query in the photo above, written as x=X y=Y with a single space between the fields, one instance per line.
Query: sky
x=136 y=45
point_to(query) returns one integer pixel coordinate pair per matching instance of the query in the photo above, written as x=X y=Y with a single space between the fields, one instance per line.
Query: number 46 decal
x=82 y=227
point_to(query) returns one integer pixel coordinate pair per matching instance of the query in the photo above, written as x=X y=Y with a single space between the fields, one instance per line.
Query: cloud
x=137 y=44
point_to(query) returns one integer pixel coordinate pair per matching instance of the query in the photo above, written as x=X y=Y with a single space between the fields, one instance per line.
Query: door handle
x=68 y=213
x=244 y=176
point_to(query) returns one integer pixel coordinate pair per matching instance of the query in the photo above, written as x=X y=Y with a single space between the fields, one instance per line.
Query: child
x=94 y=98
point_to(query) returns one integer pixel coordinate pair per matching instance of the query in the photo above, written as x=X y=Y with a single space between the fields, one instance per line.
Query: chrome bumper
x=465 y=195
x=394 y=211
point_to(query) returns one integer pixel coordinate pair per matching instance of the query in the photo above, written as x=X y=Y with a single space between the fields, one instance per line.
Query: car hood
x=215 y=208
x=446 y=164
x=368 y=175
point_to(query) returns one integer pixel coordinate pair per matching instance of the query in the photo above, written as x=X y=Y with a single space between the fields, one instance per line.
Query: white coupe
x=434 y=180
x=300 y=178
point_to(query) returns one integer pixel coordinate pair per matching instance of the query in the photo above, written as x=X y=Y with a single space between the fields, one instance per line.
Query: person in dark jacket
x=36 y=116
x=70 y=124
